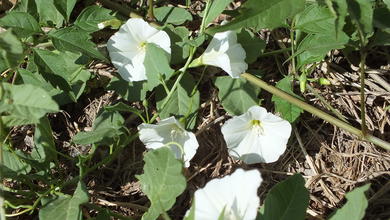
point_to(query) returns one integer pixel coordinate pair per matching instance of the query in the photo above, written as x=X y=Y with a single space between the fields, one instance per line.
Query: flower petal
x=126 y=47
x=236 y=194
x=170 y=132
x=235 y=129
x=224 y=52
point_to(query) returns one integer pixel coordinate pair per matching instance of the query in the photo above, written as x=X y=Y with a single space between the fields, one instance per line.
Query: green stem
x=120 y=8
x=206 y=11
x=274 y=52
x=363 y=55
x=150 y=10
x=182 y=72
x=292 y=48
x=339 y=123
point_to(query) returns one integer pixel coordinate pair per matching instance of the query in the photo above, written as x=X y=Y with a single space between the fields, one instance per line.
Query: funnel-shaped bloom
x=127 y=47
x=170 y=133
x=256 y=136
x=232 y=197
x=224 y=52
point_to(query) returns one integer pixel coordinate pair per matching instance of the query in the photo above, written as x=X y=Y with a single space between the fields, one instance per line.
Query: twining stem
x=339 y=123
x=150 y=10
x=292 y=39
x=363 y=56
x=182 y=72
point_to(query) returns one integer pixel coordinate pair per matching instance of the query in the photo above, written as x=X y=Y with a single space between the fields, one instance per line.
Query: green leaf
x=130 y=91
x=387 y=2
x=162 y=181
x=316 y=19
x=27 y=102
x=216 y=8
x=108 y=124
x=361 y=13
x=122 y=107
x=75 y=40
x=287 y=200
x=355 y=206
x=260 y=14
x=22 y=23
x=253 y=45
x=236 y=95
x=65 y=7
x=61 y=70
x=44 y=150
x=184 y=101
x=314 y=47
x=179 y=46
x=11 y=49
x=28 y=6
x=13 y=164
x=381 y=38
x=65 y=207
x=48 y=13
x=172 y=15
x=91 y=16
x=381 y=19
x=156 y=65
x=341 y=9
x=289 y=111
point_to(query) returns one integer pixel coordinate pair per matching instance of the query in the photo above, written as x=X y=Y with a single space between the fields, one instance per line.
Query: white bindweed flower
x=127 y=47
x=224 y=52
x=256 y=136
x=232 y=197
x=170 y=133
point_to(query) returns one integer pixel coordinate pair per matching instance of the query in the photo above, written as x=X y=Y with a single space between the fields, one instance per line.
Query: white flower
x=256 y=136
x=224 y=52
x=170 y=133
x=234 y=195
x=127 y=47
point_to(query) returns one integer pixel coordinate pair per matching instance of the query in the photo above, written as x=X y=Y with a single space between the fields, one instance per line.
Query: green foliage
x=361 y=13
x=12 y=165
x=68 y=39
x=130 y=91
x=162 y=181
x=156 y=65
x=65 y=7
x=91 y=16
x=259 y=14
x=108 y=125
x=216 y=8
x=184 y=102
x=48 y=13
x=314 y=47
x=236 y=95
x=44 y=150
x=172 y=15
x=25 y=104
x=180 y=47
x=355 y=207
x=287 y=200
x=316 y=19
x=61 y=70
x=252 y=45
x=11 y=50
x=289 y=111
x=65 y=207
x=22 y=23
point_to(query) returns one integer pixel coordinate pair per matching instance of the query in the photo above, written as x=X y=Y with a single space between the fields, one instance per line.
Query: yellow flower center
x=142 y=45
x=257 y=126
